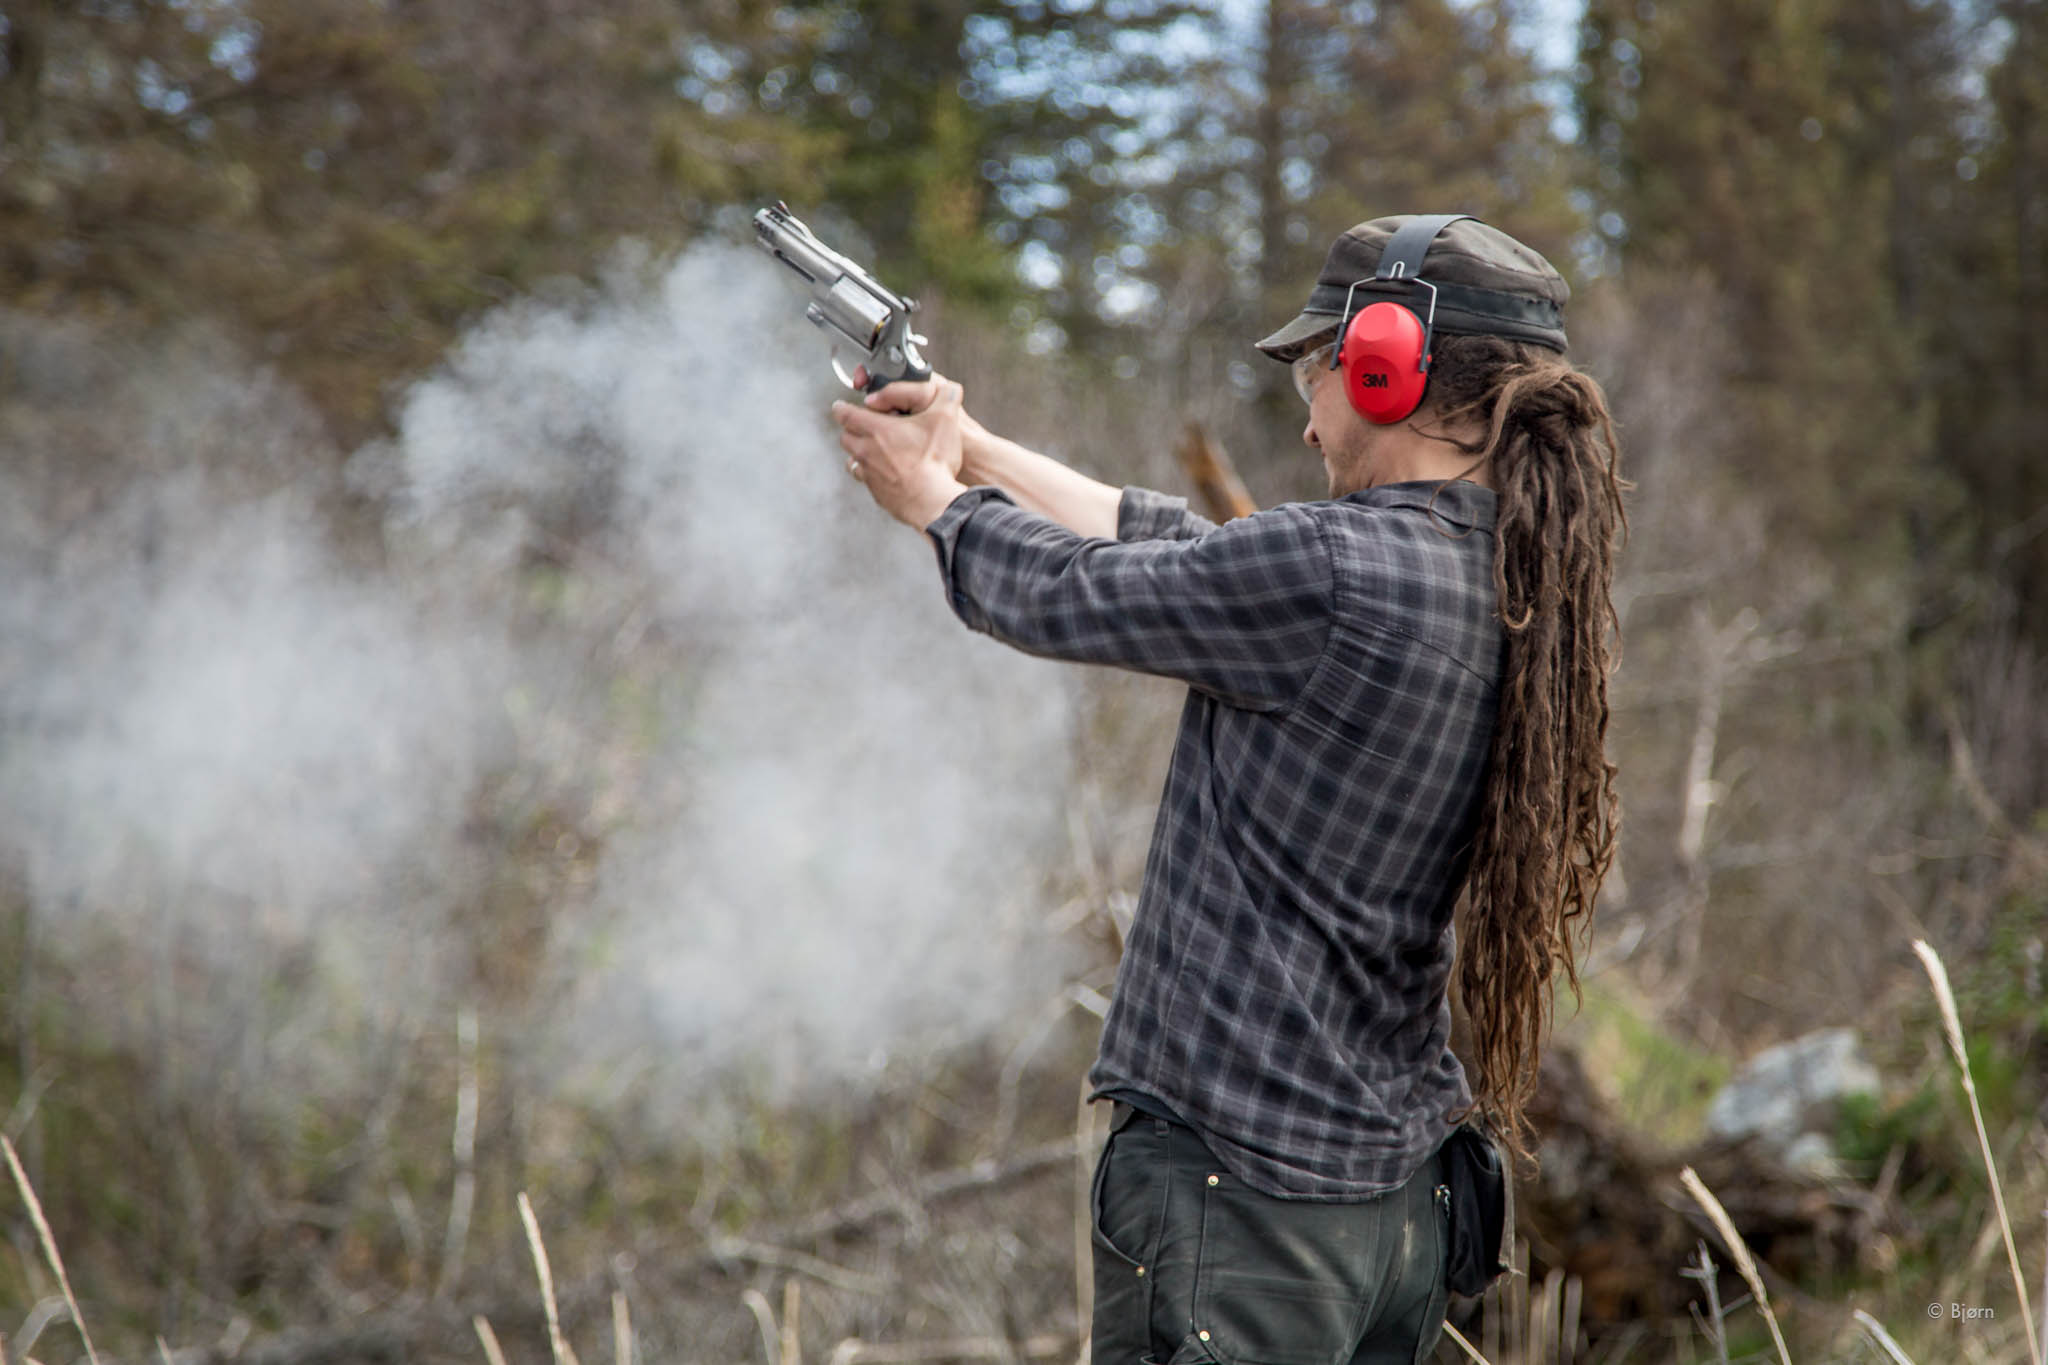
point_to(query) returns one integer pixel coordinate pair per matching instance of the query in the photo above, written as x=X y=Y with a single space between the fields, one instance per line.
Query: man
x=1395 y=696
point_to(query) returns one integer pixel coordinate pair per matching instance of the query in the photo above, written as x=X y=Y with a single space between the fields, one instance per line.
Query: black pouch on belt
x=1482 y=1214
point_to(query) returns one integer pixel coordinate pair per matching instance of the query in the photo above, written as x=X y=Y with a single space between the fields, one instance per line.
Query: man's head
x=1487 y=284
x=1430 y=277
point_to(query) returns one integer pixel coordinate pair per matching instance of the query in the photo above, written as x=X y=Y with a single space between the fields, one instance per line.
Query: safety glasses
x=1310 y=364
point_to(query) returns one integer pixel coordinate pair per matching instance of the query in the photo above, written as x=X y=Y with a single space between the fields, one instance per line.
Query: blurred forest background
x=279 y=1069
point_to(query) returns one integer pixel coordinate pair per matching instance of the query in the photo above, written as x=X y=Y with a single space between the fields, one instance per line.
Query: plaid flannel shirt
x=1283 y=985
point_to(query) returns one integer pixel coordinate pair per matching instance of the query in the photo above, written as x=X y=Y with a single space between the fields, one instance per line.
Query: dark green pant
x=1191 y=1266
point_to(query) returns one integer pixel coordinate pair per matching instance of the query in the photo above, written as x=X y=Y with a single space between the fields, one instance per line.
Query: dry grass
x=1745 y=1264
x=1876 y=1332
x=1471 y=1351
x=622 y=1331
x=35 y=1213
x=494 y=1354
x=1952 y=1024
x=1540 y=1316
x=557 y=1342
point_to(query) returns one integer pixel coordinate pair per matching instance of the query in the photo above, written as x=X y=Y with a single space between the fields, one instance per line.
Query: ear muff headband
x=1384 y=351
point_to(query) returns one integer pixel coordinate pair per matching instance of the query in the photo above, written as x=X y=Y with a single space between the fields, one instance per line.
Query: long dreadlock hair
x=1549 y=811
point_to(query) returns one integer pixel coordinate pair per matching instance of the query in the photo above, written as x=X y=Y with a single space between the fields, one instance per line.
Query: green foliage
x=1660 y=1084
x=1868 y=1127
x=2004 y=1005
x=1985 y=342
x=2004 y=1016
x=947 y=231
x=348 y=184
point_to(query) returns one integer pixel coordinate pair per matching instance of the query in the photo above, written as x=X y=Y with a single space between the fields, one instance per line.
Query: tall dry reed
x=35 y=1213
x=1952 y=1024
x=1745 y=1264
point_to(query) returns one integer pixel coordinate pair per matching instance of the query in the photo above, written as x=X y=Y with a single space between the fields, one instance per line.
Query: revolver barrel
x=841 y=296
x=845 y=300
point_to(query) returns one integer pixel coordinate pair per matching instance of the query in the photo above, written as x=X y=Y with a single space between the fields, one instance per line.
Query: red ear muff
x=1384 y=363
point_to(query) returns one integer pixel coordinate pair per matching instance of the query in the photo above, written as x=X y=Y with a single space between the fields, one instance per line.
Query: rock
x=1811 y=1154
x=1788 y=1095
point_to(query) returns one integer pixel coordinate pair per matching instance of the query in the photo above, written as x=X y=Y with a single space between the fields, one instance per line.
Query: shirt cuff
x=945 y=533
x=1142 y=514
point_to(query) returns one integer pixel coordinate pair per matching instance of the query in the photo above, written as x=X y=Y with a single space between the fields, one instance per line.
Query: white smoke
x=626 y=595
x=836 y=856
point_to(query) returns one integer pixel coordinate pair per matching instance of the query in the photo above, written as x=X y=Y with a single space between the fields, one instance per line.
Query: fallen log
x=1607 y=1208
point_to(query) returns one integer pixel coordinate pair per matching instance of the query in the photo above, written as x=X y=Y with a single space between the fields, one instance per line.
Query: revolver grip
x=915 y=371
x=896 y=355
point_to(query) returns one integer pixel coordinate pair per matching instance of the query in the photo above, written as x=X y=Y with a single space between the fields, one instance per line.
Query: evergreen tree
x=1111 y=135
x=344 y=184
x=1994 y=395
x=1769 y=145
x=889 y=92
x=1408 y=106
x=1184 y=167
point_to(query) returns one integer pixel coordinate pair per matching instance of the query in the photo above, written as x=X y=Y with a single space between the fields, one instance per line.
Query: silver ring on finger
x=853 y=466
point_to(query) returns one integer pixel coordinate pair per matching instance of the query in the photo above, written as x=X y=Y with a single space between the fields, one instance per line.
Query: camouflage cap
x=1488 y=284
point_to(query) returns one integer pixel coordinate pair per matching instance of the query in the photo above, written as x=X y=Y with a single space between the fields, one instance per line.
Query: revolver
x=847 y=302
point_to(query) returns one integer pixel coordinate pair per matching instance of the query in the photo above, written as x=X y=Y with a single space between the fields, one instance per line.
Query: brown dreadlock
x=1549 y=812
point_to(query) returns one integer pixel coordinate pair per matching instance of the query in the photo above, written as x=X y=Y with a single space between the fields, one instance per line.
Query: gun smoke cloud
x=631 y=719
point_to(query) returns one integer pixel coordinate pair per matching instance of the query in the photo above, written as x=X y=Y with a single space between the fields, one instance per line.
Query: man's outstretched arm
x=1039 y=483
x=1242 y=613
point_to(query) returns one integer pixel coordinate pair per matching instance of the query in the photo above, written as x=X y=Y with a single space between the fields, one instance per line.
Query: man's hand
x=904 y=444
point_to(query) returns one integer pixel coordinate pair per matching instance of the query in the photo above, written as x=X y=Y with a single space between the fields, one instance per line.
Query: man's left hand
x=904 y=445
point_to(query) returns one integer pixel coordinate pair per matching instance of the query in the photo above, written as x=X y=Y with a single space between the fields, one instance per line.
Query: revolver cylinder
x=852 y=312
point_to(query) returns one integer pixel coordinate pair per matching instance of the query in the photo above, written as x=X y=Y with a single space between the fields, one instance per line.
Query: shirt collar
x=1458 y=502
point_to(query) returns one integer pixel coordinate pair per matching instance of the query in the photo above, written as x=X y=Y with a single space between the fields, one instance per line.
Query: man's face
x=1345 y=439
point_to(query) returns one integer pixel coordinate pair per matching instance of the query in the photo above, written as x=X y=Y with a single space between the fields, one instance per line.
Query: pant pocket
x=1257 y=1321
x=1124 y=1200
x=1123 y=1215
x=1282 y=1281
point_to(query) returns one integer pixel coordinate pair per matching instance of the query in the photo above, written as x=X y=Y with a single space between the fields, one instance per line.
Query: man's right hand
x=907 y=398
x=903 y=444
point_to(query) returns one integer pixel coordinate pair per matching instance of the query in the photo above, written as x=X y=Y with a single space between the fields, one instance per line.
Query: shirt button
x=1215 y=1180
x=1203 y=1334
x=1141 y=1270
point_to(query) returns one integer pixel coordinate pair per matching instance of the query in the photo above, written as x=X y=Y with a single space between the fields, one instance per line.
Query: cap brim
x=1288 y=344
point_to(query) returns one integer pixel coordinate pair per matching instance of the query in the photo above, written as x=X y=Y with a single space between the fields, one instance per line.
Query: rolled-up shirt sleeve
x=1241 y=612
x=1142 y=514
